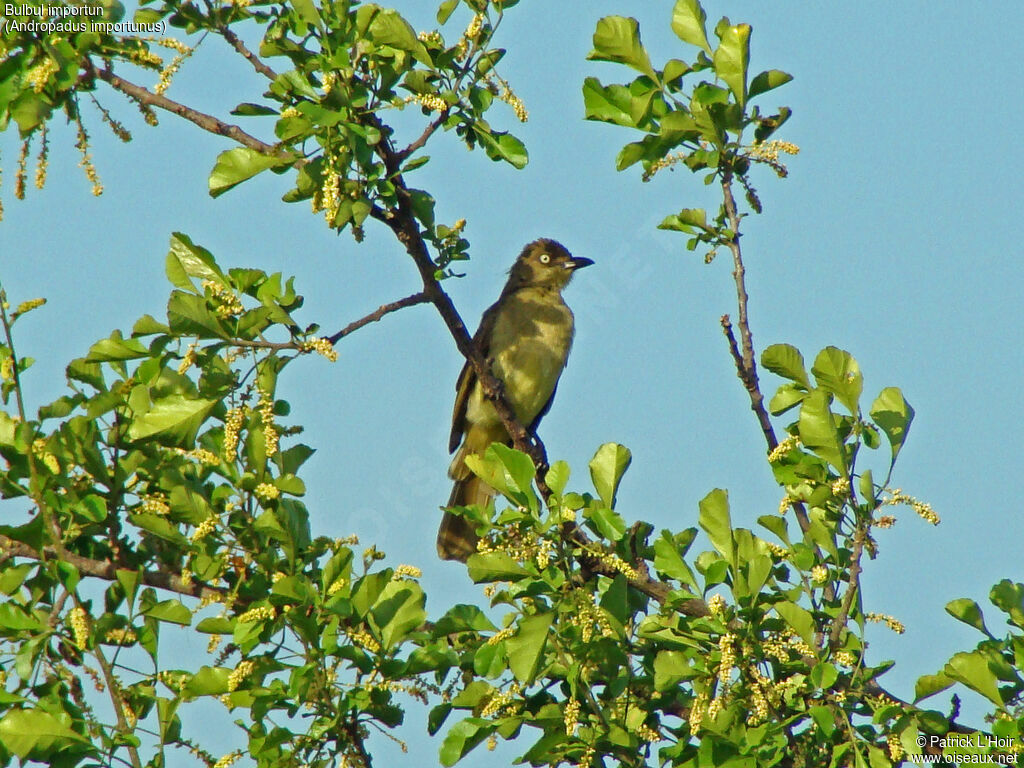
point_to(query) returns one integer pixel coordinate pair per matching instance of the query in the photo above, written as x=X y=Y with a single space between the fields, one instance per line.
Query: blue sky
x=897 y=237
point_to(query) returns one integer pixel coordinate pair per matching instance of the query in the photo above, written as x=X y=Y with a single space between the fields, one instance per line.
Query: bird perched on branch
x=525 y=336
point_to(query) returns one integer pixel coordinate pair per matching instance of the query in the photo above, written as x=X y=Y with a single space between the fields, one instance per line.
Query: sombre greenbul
x=525 y=336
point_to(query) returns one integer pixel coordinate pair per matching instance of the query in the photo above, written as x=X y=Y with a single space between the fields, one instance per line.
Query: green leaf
x=606 y=470
x=688 y=20
x=777 y=525
x=34 y=732
x=973 y=670
x=766 y=81
x=800 y=619
x=837 y=372
x=175 y=419
x=446 y=9
x=969 y=612
x=824 y=718
x=494 y=566
x=463 y=618
x=687 y=220
x=670 y=667
x=160 y=527
x=786 y=361
x=893 y=415
x=557 y=477
x=519 y=469
x=463 y=736
x=189 y=315
x=236 y=165
x=526 y=647
x=929 y=685
x=1009 y=598
x=716 y=522
x=390 y=28
x=173 y=611
x=669 y=562
x=787 y=396
x=824 y=675
x=398 y=611
x=818 y=430
x=731 y=60
x=502 y=146
x=308 y=12
x=608 y=523
x=617 y=39
x=116 y=348
x=186 y=260
x=208 y=681
x=609 y=104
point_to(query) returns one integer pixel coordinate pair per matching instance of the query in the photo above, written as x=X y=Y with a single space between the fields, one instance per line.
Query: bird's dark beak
x=578 y=262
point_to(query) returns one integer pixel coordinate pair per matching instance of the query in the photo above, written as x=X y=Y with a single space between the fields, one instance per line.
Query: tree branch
x=105 y=569
x=235 y=42
x=208 y=123
x=377 y=314
x=423 y=138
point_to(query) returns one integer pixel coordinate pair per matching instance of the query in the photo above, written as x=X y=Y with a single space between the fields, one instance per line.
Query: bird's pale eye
x=544 y=258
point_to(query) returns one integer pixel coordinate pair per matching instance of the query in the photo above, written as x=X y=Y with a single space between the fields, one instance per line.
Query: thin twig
x=423 y=138
x=235 y=42
x=114 y=688
x=839 y=622
x=377 y=314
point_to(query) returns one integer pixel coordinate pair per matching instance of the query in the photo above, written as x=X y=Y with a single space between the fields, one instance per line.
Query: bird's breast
x=531 y=342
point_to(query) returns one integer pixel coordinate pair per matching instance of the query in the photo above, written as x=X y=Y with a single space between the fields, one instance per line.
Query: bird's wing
x=467 y=378
x=540 y=415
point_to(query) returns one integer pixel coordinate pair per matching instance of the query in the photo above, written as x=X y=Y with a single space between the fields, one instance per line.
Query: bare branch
x=423 y=138
x=235 y=42
x=105 y=569
x=383 y=309
x=207 y=122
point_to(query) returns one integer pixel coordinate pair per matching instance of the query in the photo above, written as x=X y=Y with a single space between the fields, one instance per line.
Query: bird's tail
x=456 y=538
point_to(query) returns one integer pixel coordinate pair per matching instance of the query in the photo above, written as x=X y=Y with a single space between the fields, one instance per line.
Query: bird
x=525 y=337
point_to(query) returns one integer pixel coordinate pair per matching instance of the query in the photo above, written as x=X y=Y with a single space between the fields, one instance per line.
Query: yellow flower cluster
x=698 y=710
x=716 y=605
x=43 y=454
x=882 y=618
x=336 y=586
x=321 y=346
x=79 y=626
x=130 y=715
x=762 y=688
x=646 y=733
x=205 y=528
x=229 y=759
x=347 y=541
x=330 y=79
x=200 y=455
x=328 y=197
x=840 y=487
x=616 y=563
x=475 y=25
x=800 y=646
x=225 y=301
x=259 y=613
x=896 y=750
x=728 y=652
x=503 y=702
x=407 y=572
x=232 y=427
x=169 y=71
x=783 y=448
x=271 y=437
x=19 y=176
x=845 y=658
x=768 y=153
x=819 y=574
x=431 y=101
x=266 y=492
x=82 y=144
x=214 y=644
x=492 y=743
x=43 y=162
x=500 y=88
x=7 y=369
x=176 y=681
x=923 y=509
x=189 y=359
x=778 y=551
x=431 y=38
x=497 y=637
x=885 y=521
x=589 y=615
x=240 y=674
x=661 y=164
x=125 y=636
x=28 y=306
x=39 y=75
x=571 y=717
x=363 y=638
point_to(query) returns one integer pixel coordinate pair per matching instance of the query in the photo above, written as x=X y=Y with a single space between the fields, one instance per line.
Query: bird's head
x=545 y=263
